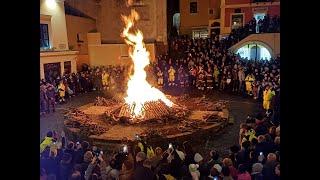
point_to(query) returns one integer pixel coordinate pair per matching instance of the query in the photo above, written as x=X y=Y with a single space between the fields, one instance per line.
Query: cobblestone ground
x=239 y=109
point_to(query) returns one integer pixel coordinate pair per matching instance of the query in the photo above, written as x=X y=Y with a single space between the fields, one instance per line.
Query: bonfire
x=141 y=97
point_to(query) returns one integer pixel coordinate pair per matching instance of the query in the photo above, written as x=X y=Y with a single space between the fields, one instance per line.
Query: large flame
x=139 y=90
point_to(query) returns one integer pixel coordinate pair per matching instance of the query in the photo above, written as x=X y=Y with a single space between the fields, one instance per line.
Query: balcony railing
x=257 y=1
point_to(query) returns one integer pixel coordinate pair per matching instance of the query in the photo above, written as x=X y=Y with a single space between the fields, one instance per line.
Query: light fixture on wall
x=52 y=4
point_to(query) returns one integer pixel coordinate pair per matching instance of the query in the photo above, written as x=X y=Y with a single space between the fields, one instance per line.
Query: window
x=67 y=67
x=52 y=70
x=196 y=34
x=193 y=7
x=237 y=20
x=210 y=11
x=44 y=36
x=135 y=2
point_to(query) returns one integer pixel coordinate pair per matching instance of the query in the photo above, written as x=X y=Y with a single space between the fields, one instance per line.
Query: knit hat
x=218 y=167
x=198 y=158
x=257 y=168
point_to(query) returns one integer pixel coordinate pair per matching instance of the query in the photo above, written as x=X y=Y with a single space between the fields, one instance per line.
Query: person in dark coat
x=49 y=162
x=243 y=156
x=81 y=150
x=51 y=95
x=261 y=147
x=65 y=167
x=70 y=150
x=87 y=159
x=142 y=172
x=269 y=167
x=43 y=99
x=261 y=129
x=276 y=146
x=256 y=173
x=189 y=158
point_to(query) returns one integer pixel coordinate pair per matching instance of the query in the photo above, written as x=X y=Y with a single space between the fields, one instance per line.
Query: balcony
x=57 y=53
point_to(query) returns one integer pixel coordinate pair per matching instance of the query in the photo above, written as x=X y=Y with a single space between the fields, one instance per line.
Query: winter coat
x=244 y=176
x=142 y=172
x=90 y=168
x=268 y=170
x=62 y=90
x=65 y=169
x=45 y=143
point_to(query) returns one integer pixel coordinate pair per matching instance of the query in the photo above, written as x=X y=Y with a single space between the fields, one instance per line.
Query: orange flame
x=139 y=90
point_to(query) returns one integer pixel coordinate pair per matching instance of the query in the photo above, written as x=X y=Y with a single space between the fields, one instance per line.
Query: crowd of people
x=205 y=65
x=257 y=157
x=58 y=89
x=266 y=25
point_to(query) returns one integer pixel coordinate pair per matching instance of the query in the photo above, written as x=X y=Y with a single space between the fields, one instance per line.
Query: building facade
x=196 y=16
x=108 y=47
x=55 y=56
x=235 y=13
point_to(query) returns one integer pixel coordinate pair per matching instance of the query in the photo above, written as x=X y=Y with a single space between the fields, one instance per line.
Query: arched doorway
x=254 y=51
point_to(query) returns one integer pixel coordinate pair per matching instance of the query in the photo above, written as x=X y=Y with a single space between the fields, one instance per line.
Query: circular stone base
x=205 y=118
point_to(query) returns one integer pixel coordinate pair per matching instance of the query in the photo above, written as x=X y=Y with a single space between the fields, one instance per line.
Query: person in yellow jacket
x=150 y=152
x=249 y=80
x=160 y=77
x=47 y=142
x=105 y=80
x=62 y=91
x=268 y=94
x=172 y=73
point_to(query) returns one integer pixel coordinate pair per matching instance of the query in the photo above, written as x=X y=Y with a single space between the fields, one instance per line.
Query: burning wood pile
x=154 y=112
x=101 y=101
x=150 y=110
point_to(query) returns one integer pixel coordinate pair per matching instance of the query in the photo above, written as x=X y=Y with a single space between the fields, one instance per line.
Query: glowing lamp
x=51 y=4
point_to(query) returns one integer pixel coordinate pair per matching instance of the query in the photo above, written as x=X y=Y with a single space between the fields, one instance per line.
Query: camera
x=170 y=146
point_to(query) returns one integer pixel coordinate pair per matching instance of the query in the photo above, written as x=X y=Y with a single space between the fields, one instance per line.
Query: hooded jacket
x=45 y=143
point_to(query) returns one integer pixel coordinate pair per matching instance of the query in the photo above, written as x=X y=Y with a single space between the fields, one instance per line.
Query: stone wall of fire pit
x=195 y=118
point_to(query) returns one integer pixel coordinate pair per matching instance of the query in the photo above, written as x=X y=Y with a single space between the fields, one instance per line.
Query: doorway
x=67 y=67
x=52 y=71
x=258 y=16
